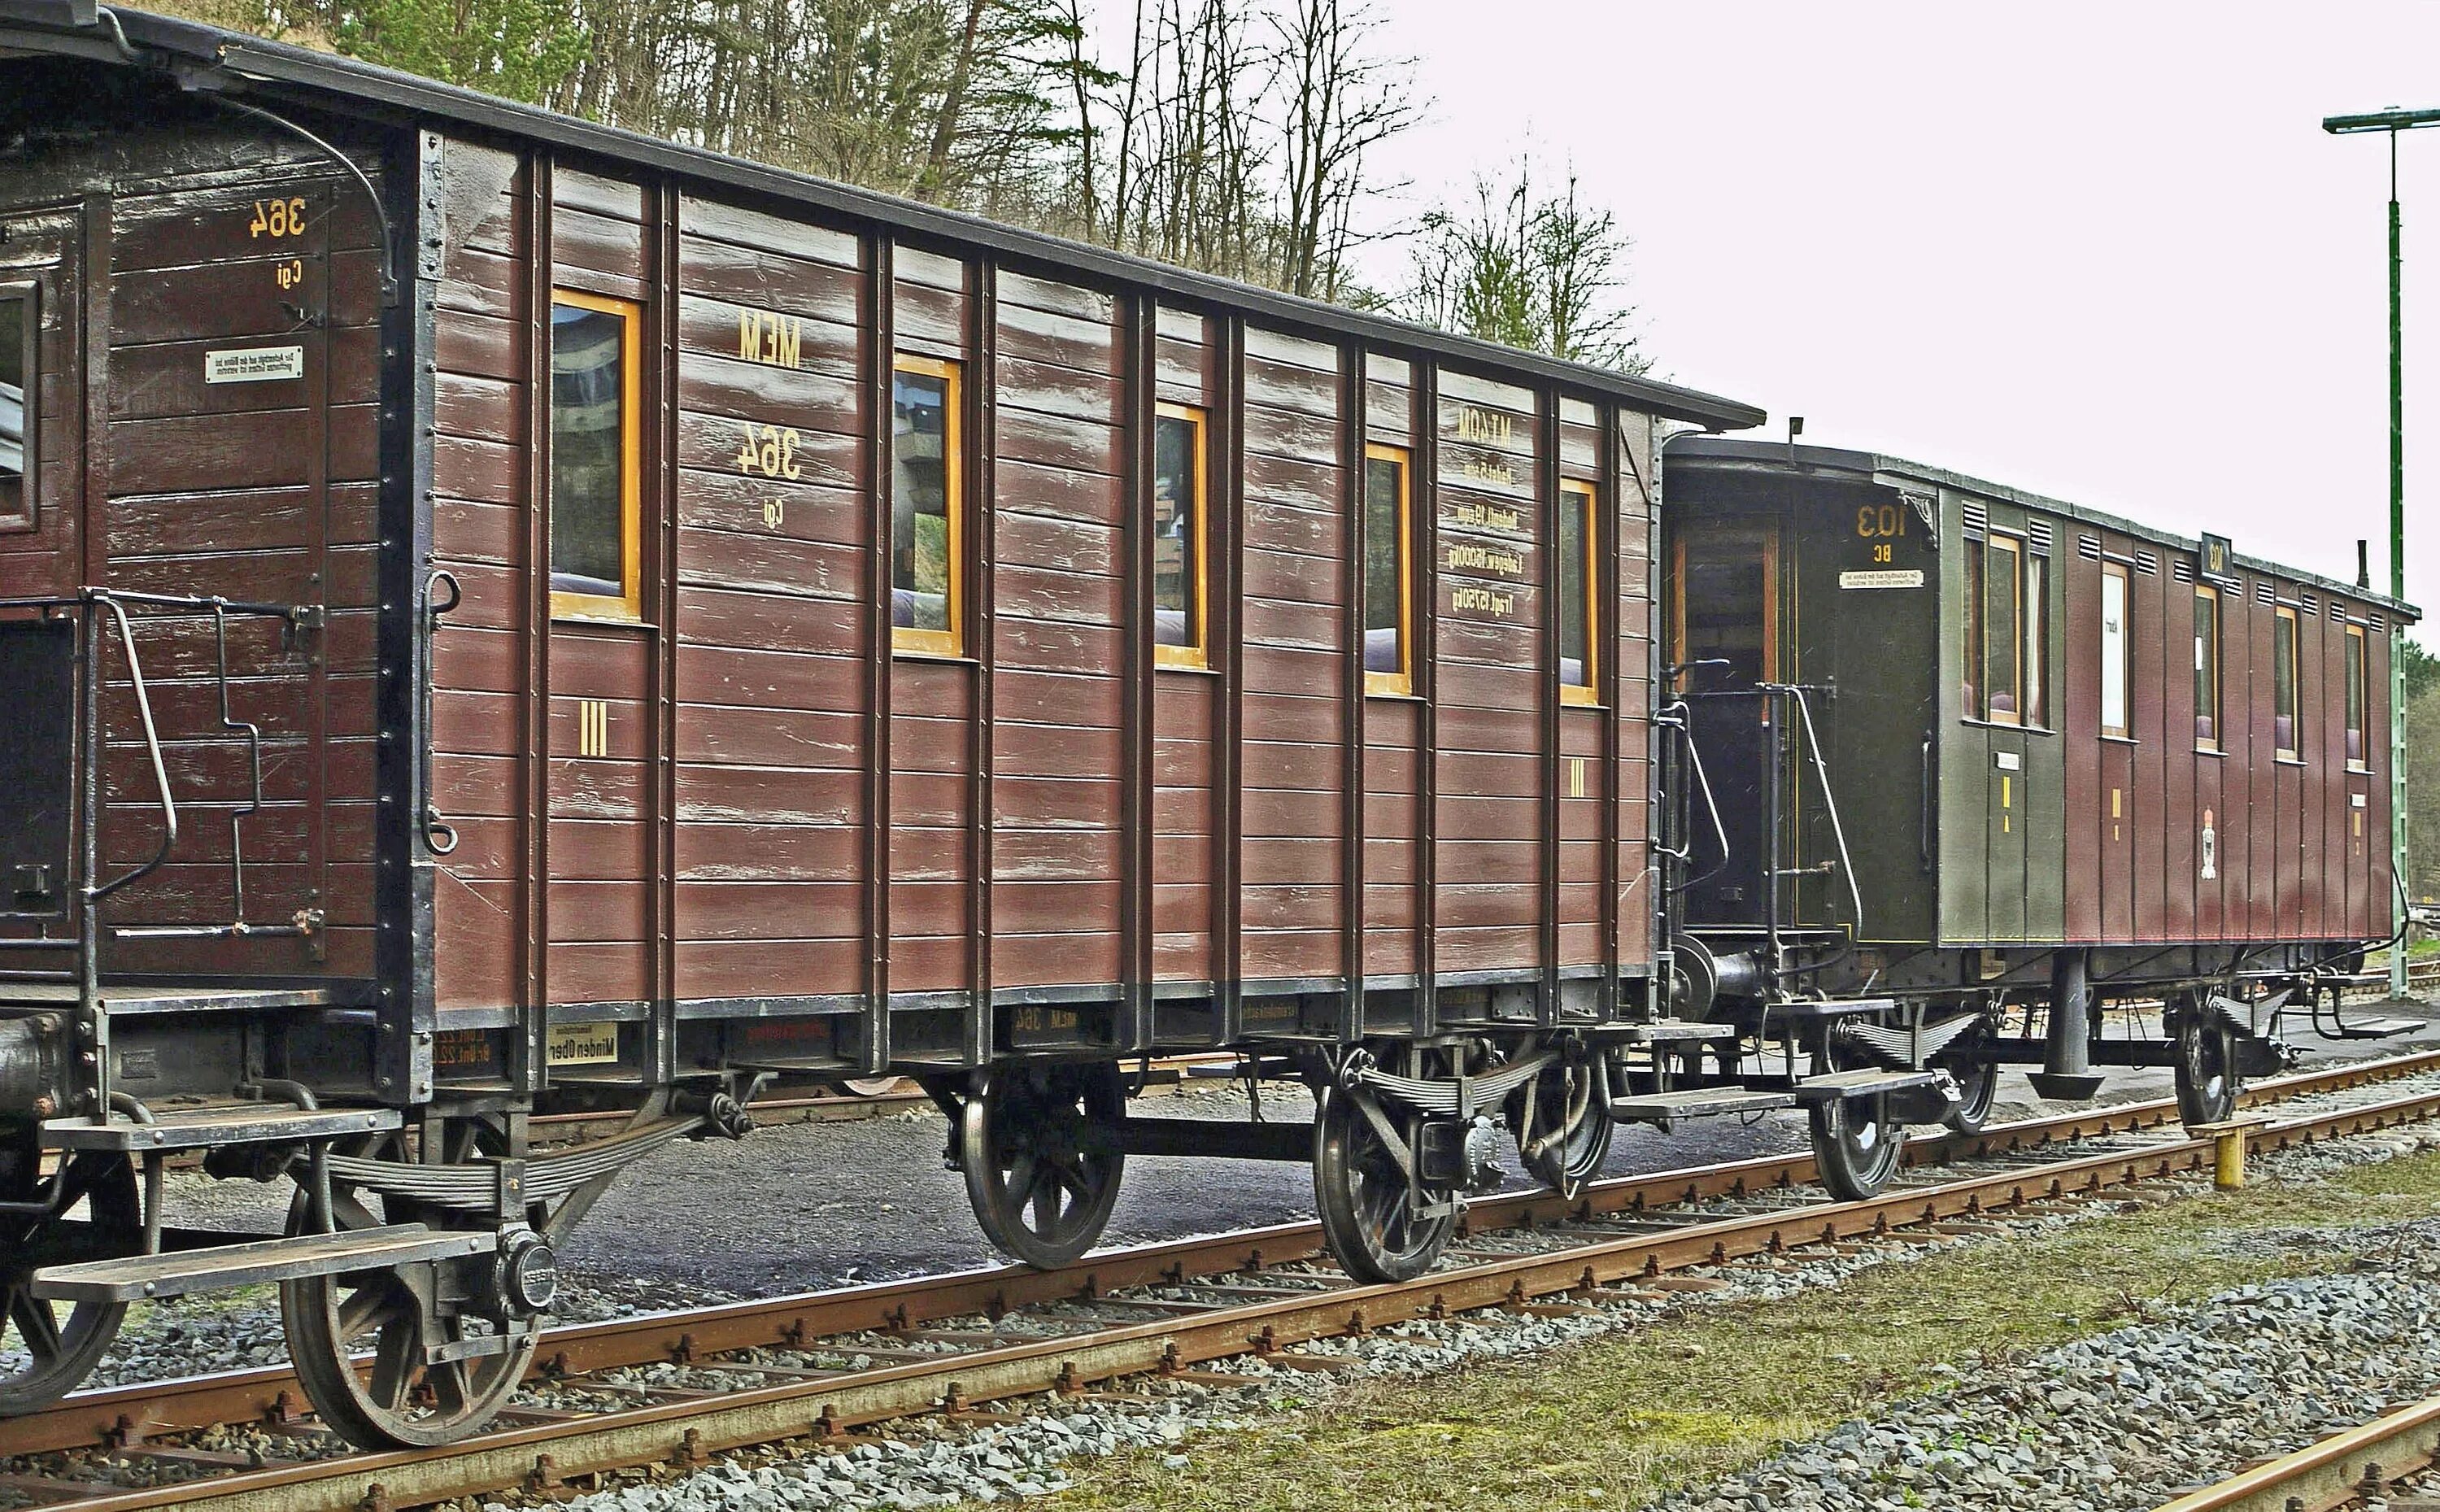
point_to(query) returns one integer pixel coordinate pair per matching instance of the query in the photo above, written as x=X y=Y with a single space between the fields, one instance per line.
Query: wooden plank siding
x=1046 y=812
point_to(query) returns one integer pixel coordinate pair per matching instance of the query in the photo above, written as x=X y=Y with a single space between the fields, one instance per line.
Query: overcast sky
x=2103 y=252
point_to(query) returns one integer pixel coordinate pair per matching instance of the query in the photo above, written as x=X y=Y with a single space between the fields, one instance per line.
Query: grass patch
x=1626 y=1417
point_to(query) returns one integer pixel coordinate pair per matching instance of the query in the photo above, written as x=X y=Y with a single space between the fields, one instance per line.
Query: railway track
x=825 y=1363
x=2356 y=1468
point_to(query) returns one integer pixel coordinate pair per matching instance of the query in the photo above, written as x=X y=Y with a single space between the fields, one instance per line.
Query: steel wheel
x=47 y=1348
x=2206 y=1066
x=1857 y=1145
x=1563 y=1124
x=870 y=1086
x=1367 y=1218
x=1040 y=1149
x=393 y=1398
x=1978 y=1086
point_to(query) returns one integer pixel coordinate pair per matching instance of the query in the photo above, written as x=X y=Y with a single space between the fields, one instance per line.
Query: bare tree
x=1542 y=273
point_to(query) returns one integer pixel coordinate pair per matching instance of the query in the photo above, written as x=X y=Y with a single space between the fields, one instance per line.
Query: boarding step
x=206 y=1127
x=1812 y=1011
x=137 y=1277
x=1869 y=1082
x=1679 y=1032
x=1665 y=1108
x=2370 y=1027
x=163 y=998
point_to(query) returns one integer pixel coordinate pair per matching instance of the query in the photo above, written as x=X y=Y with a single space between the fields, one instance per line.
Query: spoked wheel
x=1563 y=1124
x=1040 y=1148
x=360 y=1340
x=1367 y=1218
x=2206 y=1066
x=48 y=1348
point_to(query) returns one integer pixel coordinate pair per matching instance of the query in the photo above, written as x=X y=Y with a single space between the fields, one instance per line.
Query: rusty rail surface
x=2356 y=1466
x=126 y=1417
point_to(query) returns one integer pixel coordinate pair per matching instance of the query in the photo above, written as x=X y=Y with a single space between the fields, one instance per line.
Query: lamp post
x=2393 y=121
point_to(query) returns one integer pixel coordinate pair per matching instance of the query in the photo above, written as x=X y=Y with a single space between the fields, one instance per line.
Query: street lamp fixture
x=2393 y=121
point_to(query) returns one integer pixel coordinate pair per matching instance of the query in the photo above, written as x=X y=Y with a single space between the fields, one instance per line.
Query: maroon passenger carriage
x=503 y=615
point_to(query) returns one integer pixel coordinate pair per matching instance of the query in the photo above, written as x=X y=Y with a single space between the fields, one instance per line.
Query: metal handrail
x=1829 y=803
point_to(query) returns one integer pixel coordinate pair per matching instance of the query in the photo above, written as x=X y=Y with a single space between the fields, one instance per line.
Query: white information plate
x=1883 y=578
x=254 y=365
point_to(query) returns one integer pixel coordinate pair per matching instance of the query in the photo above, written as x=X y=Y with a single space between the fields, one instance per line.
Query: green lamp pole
x=2393 y=121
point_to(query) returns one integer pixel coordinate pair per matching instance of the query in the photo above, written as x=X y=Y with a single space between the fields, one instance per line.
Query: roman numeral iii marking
x=592 y=726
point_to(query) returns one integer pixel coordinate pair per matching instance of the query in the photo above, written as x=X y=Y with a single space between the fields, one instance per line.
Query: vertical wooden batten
x=534 y=785
x=1141 y=319
x=1608 y=637
x=880 y=366
x=979 y=434
x=1546 y=548
x=1353 y=417
x=1423 y=509
x=660 y=480
x=1228 y=739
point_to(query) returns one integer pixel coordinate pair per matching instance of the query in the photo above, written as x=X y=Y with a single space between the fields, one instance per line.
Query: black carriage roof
x=1875 y=467
x=208 y=58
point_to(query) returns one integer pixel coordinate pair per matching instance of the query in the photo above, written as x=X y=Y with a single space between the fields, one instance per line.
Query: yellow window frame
x=628 y=607
x=1578 y=492
x=1400 y=683
x=952 y=641
x=2205 y=593
x=1196 y=653
x=2286 y=626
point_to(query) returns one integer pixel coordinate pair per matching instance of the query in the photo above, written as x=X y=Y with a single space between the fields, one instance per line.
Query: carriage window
x=2037 y=642
x=596 y=490
x=2004 y=631
x=1579 y=592
x=2206 y=668
x=2283 y=686
x=1970 y=689
x=926 y=527
x=18 y=403
x=1389 y=567
x=2114 y=644
x=1178 y=534
x=2358 y=697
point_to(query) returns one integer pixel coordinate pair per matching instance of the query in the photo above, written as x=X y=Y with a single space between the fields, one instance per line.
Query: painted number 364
x=276 y=219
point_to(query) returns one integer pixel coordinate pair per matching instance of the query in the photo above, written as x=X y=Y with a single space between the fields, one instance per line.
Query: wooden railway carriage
x=1986 y=764
x=505 y=613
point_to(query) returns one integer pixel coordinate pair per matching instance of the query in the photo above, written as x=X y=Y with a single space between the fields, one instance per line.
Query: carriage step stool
x=1871 y=1081
x=1665 y=1108
x=1681 y=1032
x=208 y=1127
x=151 y=1277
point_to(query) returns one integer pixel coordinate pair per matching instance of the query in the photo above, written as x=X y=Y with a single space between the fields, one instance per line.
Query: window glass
x=2114 y=644
x=1178 y=525
x=16 y=402
x=1387 y=563
x=924 y=529
x=2207 y=668
x=1971 y=691
x=2037 y=642
x=2358 y=695
x=2283 y=683
x=1579 y=594
x=2003 y=633
x=593 y=483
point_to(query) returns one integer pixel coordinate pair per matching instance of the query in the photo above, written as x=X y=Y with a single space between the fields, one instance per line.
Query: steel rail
x=270 y=1394
x=2349 y=1466
x=685 y=1433
x=828 y=1406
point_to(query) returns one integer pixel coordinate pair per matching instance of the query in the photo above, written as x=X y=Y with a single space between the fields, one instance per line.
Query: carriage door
x=41 y=424
x=1727 y=618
